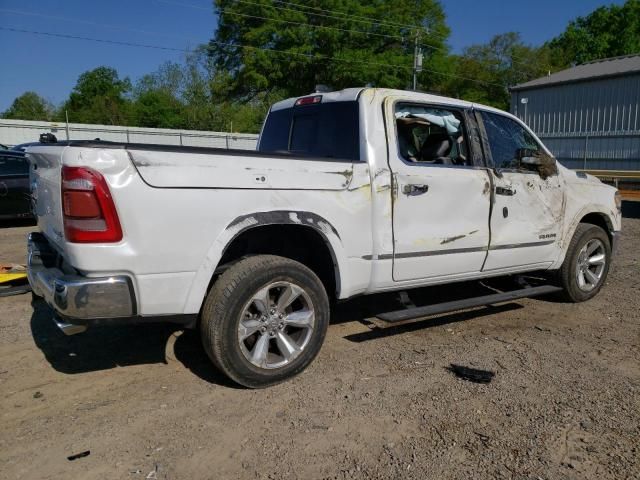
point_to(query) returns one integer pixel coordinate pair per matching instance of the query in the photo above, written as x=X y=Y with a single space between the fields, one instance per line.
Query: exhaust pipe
x=68 y=328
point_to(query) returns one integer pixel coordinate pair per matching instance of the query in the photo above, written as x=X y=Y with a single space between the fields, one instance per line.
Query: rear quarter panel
x=176 y=230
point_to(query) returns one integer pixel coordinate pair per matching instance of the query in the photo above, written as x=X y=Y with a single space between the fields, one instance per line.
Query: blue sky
x=50 y=66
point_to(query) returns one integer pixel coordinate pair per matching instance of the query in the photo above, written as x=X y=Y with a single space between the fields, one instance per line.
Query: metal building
x=589 y=115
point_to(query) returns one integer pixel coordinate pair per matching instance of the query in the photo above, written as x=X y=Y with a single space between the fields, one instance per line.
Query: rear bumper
x=75 y=298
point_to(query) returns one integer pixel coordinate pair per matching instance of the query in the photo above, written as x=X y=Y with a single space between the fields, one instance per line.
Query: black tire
x=227 y=303
x=568 y=273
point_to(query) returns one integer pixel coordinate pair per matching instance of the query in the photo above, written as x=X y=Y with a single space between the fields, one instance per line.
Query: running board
x=419 y=312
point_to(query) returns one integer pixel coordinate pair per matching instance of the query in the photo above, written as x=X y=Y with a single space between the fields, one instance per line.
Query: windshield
x=325 y=130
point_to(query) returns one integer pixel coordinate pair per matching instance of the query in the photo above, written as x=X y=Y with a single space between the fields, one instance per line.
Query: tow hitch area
x=416 y=313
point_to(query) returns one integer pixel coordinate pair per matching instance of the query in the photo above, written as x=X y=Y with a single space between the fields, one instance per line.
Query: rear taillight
x=87 y=206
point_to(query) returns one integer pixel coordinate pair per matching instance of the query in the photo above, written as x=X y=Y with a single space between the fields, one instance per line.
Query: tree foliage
x=29 y=106
x=608 y=31
x=287 y=51
x=482 y=73
x=99 y=97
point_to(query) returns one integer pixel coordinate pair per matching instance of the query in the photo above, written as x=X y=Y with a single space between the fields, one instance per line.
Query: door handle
x=415 y=189
x=508 y=191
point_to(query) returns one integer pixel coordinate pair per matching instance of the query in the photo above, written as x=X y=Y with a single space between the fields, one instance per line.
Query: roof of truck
x=352 y=94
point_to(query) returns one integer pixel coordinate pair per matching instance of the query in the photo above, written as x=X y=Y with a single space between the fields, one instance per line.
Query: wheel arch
x=591 y=216
x=599 y=219
x=274 y=232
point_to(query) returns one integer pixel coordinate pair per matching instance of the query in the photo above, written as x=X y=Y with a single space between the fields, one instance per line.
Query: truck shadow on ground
x=104 y=348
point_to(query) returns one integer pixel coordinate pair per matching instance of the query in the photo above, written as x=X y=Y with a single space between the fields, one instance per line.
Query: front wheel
x=586 y=265
x=264 y=320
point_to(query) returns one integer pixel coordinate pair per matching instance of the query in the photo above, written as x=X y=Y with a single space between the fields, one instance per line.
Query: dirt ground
x=376 y=403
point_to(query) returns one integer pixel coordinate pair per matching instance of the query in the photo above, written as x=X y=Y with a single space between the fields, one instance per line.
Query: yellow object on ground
x=10 y=277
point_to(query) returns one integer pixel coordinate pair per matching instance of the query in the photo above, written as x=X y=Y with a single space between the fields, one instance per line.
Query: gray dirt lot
x=565 y=402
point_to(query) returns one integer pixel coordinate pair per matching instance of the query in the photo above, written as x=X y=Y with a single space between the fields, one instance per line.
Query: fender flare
x=573 y=225
x=247 y=222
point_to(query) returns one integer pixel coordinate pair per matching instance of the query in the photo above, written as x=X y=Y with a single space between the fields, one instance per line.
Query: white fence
x=15 y=132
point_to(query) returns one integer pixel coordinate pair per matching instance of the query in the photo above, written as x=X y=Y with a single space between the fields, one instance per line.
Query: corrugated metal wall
x=14 y=132
x=592 y=124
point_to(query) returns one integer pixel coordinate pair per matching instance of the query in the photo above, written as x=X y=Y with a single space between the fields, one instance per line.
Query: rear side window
x=325 y=130
x=13 y=166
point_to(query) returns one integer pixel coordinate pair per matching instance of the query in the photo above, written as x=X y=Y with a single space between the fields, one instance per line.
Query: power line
x=248 y=47
x=186 y=50
x=312 y=26
x=99 y=40
x=95 y=24
x=369 y=21
x=348 y=15
x=360 y=19
x=200 y=7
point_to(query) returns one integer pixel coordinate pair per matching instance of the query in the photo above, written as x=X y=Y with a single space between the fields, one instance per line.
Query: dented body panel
x=181 y=210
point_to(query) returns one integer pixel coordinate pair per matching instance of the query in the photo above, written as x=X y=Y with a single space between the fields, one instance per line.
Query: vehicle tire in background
x=586 y=265
x=264 y=320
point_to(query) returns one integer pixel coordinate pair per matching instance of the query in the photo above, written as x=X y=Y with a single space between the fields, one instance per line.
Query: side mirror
x=537 y=160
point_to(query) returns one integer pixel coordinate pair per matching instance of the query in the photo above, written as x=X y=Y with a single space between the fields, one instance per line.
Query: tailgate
x=45 y=177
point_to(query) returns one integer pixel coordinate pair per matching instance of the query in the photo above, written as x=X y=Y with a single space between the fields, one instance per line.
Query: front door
x=441 y=192
x=527 y=212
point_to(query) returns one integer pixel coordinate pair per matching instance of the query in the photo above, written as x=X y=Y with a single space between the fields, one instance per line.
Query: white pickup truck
x=351 y=192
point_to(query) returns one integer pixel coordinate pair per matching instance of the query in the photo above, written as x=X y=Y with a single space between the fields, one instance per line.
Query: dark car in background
x=15 y=190
x=15 y=195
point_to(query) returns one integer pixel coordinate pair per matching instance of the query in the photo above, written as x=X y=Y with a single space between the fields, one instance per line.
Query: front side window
x=507 y=138
x=431 y=135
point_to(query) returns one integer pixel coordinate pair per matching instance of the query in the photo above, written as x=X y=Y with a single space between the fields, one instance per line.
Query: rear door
x=441 y=191
x=527 y=213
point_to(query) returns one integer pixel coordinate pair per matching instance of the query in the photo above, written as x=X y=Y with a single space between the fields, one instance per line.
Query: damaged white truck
x=352 y=192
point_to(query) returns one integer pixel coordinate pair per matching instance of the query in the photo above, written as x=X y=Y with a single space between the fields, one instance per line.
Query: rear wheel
x=264 y=320
x=586 y=265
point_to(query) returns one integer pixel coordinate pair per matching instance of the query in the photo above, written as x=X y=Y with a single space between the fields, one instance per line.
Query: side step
x=418 y=312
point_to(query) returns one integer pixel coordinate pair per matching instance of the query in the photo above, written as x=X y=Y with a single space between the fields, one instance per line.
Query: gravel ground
x=376 y=403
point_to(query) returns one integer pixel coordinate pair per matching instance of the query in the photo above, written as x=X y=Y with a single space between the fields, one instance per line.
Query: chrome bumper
x=76 y=299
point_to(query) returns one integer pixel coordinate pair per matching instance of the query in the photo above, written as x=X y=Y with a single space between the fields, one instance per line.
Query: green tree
x=288 y=49
x=99 y=97
x=157 y=109
x=484 y=72
x=29 y=106
x=169 y=77
x=606 y=32
x=156 y=98
x=210 y=103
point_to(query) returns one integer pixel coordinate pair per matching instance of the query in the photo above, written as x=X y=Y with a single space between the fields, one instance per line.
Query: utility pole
x=417 y=60
x=66 y=116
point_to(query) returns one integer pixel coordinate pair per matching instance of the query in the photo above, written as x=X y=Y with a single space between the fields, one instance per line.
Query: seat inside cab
x=431 y=135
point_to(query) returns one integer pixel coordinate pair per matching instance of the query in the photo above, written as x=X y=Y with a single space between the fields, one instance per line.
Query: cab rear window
x=324 y=130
